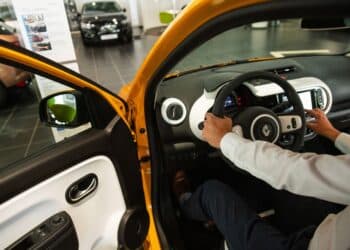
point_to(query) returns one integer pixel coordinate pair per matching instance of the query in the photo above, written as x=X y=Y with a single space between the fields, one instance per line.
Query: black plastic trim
x=133 y=228
x=75 y=186
x=57 y=232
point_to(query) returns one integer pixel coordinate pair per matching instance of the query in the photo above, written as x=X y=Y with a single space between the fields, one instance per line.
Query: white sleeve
x=321 y=176
x=343 y=143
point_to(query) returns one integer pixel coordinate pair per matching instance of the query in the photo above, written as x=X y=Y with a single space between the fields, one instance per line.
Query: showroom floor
x=113 y=65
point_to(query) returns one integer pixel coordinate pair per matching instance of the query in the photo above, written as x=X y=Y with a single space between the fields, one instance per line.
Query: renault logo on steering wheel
x=266 y=130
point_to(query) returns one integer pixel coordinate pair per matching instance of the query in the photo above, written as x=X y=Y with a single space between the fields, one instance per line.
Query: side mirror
x=64 y=110
x=124 y=10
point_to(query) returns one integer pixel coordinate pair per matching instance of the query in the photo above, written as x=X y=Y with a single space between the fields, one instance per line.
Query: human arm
x=322 y=126
x=322 y=176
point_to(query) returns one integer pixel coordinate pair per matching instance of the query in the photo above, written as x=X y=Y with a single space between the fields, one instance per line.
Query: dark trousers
x=241 y=227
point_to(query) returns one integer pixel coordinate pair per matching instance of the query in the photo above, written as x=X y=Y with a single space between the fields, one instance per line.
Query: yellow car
x=109 y=185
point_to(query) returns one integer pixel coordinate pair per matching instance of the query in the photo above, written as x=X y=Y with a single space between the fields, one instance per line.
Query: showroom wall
x=150 y=10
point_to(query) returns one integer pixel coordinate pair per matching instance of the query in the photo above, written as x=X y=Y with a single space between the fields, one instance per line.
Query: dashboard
x=320 y=81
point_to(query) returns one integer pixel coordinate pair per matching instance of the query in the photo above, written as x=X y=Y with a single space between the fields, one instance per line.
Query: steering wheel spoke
x=290 y=123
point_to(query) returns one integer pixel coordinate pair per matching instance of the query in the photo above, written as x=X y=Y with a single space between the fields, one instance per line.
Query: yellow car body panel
x=197 y=13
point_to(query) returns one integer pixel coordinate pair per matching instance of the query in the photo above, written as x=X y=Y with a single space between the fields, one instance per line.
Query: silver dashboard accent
x=299 y=84
x=168 y=103
x=287 y=123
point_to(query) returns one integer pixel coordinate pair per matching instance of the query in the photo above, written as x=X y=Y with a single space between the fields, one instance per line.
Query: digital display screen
x=306 y=99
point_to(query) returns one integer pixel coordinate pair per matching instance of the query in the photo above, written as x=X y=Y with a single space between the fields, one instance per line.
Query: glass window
x=21 y=131
x=107 y=7
x=277 y=38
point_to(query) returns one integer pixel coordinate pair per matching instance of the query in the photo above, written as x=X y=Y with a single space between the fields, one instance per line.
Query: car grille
x=106 y=27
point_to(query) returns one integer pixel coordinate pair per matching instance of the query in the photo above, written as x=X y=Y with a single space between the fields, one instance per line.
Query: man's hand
x=321 y=124
x=215 y=128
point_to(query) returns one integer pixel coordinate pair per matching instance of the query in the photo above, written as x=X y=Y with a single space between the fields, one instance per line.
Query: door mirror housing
x=64 y=110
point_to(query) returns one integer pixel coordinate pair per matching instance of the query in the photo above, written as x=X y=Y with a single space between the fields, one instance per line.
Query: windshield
x=279 y=38
x=101 y=7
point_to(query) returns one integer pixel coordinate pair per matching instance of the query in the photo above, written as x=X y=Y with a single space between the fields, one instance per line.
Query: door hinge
x=131 y=119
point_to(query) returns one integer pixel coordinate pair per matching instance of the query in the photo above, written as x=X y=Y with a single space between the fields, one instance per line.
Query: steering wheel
x=261 y=123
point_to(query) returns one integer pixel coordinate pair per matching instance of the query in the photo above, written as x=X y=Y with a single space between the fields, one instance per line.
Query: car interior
x=243 y=85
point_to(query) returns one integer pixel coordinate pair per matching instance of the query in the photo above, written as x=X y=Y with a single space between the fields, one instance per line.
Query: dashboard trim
x=205 y=102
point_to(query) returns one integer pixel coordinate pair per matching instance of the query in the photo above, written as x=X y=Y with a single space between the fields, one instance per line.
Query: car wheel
x=3 y=95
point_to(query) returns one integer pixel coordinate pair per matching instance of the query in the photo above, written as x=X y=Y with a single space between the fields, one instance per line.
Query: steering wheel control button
x=290 y=123
x=173 y=111
x=265 y=127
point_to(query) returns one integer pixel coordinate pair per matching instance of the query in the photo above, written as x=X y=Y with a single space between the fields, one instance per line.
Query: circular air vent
x=173 y=111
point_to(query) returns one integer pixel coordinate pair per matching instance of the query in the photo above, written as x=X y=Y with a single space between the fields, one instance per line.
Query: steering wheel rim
x=293 y=98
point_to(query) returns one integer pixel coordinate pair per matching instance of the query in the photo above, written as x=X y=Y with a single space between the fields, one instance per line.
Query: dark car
x=103 y=21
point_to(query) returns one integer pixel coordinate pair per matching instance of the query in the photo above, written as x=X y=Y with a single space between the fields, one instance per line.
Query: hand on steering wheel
x=215 y=128
x=261 y=123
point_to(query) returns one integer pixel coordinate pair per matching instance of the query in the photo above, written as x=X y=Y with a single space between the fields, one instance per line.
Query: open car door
x=74 y=184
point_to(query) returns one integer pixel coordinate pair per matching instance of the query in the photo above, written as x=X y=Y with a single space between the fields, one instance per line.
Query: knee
x=214 y=186
x=215 y=196
x=214 y=190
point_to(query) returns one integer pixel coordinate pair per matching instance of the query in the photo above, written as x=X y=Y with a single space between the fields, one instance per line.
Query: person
x=325 y=177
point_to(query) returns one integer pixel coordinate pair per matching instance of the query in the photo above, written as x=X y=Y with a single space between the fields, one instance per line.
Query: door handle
x=81 y=188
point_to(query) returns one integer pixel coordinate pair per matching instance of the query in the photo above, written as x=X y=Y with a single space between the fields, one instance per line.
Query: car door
x=80 y=191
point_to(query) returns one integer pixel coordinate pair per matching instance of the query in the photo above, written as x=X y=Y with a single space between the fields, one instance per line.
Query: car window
x=276 y=38
x=21 y=131
x=107 y=7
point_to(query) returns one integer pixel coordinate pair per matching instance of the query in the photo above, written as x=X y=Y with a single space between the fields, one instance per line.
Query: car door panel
x=55 y=233
x=35 y=188
x=47 y=198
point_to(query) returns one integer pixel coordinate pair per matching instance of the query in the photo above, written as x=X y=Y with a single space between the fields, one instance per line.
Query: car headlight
x=125 y=21
x=87 y=25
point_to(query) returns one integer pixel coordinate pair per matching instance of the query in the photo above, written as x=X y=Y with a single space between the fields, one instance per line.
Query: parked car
x=8 y=34
x=104 y=21
x=109 y=187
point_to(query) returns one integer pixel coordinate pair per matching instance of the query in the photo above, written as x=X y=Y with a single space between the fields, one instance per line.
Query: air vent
x=173 y=111
x=283 y=70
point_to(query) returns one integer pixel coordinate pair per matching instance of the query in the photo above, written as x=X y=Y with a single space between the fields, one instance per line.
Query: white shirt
x=322 y=176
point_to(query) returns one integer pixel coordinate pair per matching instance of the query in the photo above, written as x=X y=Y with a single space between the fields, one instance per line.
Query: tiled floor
x=113 y=65
x=21 y=132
